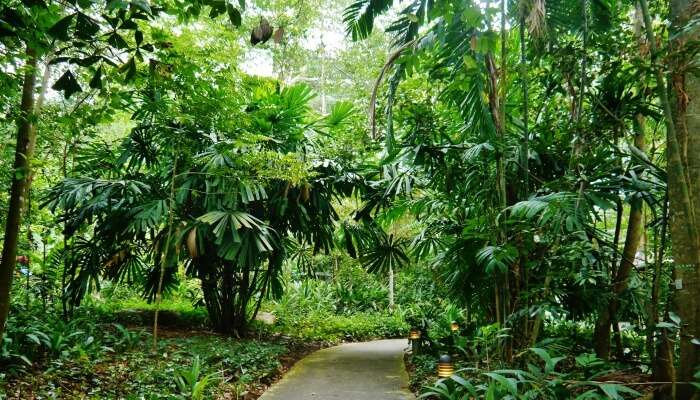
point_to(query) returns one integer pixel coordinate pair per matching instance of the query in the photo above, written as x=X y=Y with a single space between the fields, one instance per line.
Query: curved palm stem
x=373 y=99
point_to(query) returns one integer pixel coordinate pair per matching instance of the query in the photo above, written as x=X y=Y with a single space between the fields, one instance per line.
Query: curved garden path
x=354 y=371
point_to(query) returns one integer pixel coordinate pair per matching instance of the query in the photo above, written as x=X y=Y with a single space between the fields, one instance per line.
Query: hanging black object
x=261 y=33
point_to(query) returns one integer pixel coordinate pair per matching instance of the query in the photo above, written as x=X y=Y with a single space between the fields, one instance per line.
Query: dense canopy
x=513 y=183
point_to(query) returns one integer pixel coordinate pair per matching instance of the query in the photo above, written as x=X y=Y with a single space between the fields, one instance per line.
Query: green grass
x=135 y=311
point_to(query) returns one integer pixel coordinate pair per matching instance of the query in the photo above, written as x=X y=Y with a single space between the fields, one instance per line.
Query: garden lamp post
x=414 y=337
x=445 y=366
x=454 y=331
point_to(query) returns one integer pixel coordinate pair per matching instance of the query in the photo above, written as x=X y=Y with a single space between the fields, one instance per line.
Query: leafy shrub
x=352 y=307
x=424 y=367
x=134 y=310
x=325 y=326
x=539 y=381
x=29 y=339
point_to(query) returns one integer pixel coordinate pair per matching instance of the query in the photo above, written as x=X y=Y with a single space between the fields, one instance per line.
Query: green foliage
x=353 y=308
x=424 y=367
x=117 y=362
x=328 y=327
x=384 y=254
x=30 y=341
x=239 y=190
x=541 y=380
x=191 y=383
x=270 y=182
x=359 y=16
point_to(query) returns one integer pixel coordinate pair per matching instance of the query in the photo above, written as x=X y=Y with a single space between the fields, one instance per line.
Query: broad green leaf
x=117 y=41
x=509 y=383
x=67 y=84
x=218 y=7
x=233 y=15
x=613 y=390
x=117 y=4
x=96 y=81
x=142 y=5
x=129 y=69
x=85 y=27
x=59 y=30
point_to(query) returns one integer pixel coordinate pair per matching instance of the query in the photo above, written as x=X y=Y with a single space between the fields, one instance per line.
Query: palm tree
x=454 y=169
x=243 y=177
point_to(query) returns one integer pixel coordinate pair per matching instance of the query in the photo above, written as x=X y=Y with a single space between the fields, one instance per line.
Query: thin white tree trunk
x=391 y=287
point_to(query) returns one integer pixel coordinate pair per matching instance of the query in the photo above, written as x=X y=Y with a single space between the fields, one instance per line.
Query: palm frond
x=359 y=16
x=496 y=259
x=383 y=254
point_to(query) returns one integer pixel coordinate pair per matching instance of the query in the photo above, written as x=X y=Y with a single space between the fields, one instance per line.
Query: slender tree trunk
x=617 y=336
x=45 y=292
x=497 y=299
x=496 y=114
x=659 y=234
x=391 y=288
x=496 y=96
x=683 y=155
x=619 y=214
x=660 y=348
x=17 y=192
x=525 y=150
x=501 y=110
x=601 y=333
x=633 y=237
x=537 y=324
x=64 y=302
x=37 y=110
x=241 y=318
x=520 y=274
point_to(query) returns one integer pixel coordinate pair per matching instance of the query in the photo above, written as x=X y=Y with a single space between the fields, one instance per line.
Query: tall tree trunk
x=525 y=150
x=501 y=110
x=496 y=98
x=660 y=348
x=685 y=94
x=635 y=227
x=601 y=332
x=663 y=368
x=683 y=155
x=37 y=110
x=66 y=252
x=19 y=181
x=495 y=110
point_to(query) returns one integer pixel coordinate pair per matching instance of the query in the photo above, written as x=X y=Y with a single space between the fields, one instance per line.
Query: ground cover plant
x=115 y=365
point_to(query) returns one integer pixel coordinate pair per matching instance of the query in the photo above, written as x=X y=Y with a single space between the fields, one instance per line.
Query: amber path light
x=414 y=334
x=445 y=367
x=454 y=326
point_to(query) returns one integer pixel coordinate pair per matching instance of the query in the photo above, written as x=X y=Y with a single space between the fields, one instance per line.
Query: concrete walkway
x=354 y=371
